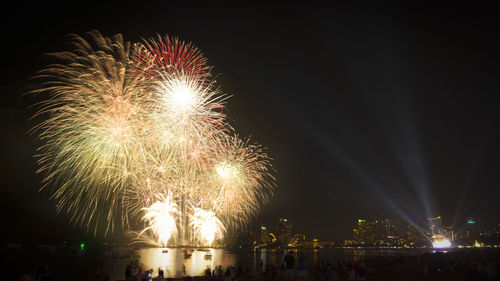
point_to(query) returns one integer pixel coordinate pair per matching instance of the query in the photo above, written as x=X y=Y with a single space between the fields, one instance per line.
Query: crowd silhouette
x=463 y=265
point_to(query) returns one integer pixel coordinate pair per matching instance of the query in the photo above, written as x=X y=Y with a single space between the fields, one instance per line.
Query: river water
x=175 y=263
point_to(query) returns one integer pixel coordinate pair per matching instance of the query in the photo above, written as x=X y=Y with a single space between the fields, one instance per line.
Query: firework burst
x=137 y=132
x=93 y=127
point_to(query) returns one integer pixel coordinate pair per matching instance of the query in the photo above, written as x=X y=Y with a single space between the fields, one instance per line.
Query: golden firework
x=137 y=133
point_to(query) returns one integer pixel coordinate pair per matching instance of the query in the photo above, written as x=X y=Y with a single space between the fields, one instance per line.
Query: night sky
x=368 y=111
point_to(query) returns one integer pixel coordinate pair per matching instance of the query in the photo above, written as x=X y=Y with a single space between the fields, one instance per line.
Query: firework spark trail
x=137 y=131
x=92 y=128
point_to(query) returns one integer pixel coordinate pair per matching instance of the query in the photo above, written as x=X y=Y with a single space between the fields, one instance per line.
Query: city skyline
x=380 y=232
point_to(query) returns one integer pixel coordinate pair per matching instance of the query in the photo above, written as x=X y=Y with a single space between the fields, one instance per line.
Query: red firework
x=169 y=55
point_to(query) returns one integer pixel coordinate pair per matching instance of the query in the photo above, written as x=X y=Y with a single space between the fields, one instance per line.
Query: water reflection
x=177 y=262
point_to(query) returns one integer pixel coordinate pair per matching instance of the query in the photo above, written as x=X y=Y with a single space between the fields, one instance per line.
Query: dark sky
x=369 y=110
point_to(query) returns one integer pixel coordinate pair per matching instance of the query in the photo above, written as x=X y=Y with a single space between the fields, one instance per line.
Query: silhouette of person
x=128 y=271
x=289 y=266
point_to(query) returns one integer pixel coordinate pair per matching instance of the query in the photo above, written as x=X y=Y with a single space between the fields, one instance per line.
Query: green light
x=360 y=220
x=82 y=246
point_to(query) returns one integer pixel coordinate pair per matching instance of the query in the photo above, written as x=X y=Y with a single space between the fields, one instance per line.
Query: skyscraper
x=435 y=227
x=387 y=232
x=284 y=231
x=264 y=236
x=471 y=232
x=364 y=233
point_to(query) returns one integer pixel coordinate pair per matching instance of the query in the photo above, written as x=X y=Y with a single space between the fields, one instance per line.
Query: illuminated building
x=435 y=226
x=448 y=232
x=392 y=233
x=417 y=233
x=412 y=233
x=298 y=240
x=284 y=231
x=265 y=237
x=471 y=232
x=491 y=237
x=315 y=243
x=387 y=232
x=364 y=234
x=349 y=243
